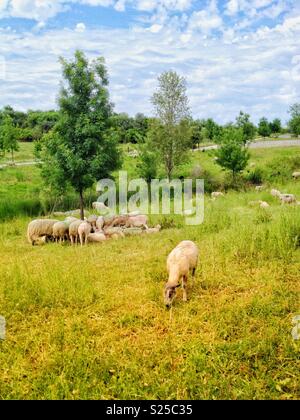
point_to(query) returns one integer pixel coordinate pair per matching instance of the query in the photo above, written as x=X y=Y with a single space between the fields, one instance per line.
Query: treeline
x=33 y=125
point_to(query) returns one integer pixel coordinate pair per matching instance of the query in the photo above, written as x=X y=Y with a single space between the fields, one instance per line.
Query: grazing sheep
x=39 y=228
x=119 y=221
x=263 y=204
x=93 y=221
x=259 y=188
x=216 y=194
x=156 y=229
x=73 y=231
x=296 y=175
x=180 y=262
x=70 y=220
x=100 y=223
x=60 y=231
x=96 y=237
x=137 y=221
x=275 y=193
x=100 y=207
x=41 y=241
x=84 y=229
x=287 y=198
x=107 y=220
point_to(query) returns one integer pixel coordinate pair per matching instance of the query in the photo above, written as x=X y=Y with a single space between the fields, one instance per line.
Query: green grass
x=25 y=153
x=90 y=323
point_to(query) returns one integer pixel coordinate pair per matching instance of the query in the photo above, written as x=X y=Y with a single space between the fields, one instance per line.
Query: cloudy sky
x=234 y=54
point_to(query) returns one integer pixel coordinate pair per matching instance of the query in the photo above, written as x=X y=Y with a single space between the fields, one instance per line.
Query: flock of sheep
x=94 y=229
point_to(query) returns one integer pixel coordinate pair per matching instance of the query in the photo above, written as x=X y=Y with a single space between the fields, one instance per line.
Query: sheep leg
x=184 y=287
x=72 y=239
x=194 y=272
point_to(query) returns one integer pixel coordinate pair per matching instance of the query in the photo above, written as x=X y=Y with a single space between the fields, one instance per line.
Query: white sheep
x=180 y=262
x=156 y=229
x=100 y=223
x=259 y=188
x=60 y=231
x=100 y=207
x=137 y=221
x=73 y=231
x=216 y=194
x=39 y=228
x=96 y=237
x=296 y=175
x=70 y=220
x=275 y=193
x=264 y=204
x=92 y=219
x=84 y=230
x=287 y=198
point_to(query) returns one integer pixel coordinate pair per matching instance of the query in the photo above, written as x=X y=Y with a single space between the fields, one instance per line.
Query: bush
x=255 y=176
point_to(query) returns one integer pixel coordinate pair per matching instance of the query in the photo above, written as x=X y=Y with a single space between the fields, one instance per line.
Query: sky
x=235 y=54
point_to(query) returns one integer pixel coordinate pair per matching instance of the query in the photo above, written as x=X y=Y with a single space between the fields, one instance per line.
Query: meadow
x=90 y=323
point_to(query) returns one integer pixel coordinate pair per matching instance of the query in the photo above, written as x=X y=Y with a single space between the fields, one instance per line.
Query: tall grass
x=90 y=323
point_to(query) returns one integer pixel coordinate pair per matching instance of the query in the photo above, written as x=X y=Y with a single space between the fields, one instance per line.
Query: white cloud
x=228 y=66
x=80 y=27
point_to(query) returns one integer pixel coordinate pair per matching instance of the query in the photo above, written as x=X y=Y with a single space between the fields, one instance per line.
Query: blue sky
x=234 y=54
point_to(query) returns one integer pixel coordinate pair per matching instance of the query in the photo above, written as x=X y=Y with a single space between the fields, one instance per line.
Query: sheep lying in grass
x=84 y=230
x=180 y=262
x=259 y=188
x=287 y=198
x=275 y=193
x=156 y=229
x=96 y=237
x=296 y=175
x=73 y=231
x=216 y=194
x=60 y=231
x=100 y=207
x=39 y=228
x=263 y=204
x=137 y=221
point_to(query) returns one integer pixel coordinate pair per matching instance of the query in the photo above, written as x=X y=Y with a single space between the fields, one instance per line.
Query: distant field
x=24 y=154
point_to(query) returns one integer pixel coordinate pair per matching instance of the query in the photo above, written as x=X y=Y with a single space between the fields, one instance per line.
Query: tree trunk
x=12 y=156
x=81 y=205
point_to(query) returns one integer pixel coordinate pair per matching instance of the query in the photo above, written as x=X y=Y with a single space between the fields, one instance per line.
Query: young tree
x=9 y=135
x=171 y=136
x=275 y=126
x=80 y=150
x=232 y=154
x=147 y=168
x=249 y=130
x=294 y=123
x=264 y=128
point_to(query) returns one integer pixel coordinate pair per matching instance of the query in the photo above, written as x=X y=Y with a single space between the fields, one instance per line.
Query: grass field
x=90 y=323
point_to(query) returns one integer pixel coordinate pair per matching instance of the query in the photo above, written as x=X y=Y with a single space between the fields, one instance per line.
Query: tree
x=249 y=130
x=9 y=136
x=198 y=132
x=147 y=168
x=275 y=126
x=232 y=154
x=171 y=135
x=212 y=129
x=264 y=128
x=81 y=149
x=294 y=123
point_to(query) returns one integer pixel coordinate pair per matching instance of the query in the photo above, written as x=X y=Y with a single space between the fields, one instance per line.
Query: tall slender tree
x=172 y=134
x=80 y=150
